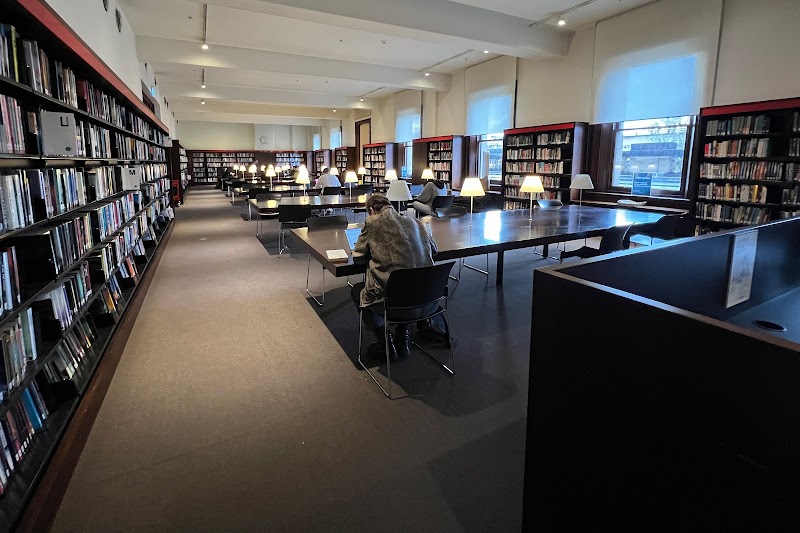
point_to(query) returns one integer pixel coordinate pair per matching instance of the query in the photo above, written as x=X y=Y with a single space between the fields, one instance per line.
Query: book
x=337 y=255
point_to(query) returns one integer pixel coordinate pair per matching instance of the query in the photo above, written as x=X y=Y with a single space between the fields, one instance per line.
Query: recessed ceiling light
x=562 y=22
x=334 y=111
x=203 y=86
x=486 y=51
x=427 y=73
x=202 y=102
x=360 y=99
x=204 y=46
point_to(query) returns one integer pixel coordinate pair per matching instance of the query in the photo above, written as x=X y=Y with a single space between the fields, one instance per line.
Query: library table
x=319 y=201
x=487 y=232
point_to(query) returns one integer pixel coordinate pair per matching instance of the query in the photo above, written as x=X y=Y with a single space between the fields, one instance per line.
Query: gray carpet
x=237 y=405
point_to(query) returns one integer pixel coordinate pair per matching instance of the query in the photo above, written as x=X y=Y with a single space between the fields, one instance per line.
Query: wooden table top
x=487 y=232
x=316 y=201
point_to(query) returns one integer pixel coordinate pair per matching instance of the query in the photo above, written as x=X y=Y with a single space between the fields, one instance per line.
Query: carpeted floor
x=237 y=405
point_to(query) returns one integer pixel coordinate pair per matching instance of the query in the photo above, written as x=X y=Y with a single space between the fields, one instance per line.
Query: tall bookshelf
x=344 y=158
x=444 y=155
x=322 y=158
x=377 y=158
x=84 y=214
x=746 y=165
x=179 y=172
x=291 y=158
x=555 y=152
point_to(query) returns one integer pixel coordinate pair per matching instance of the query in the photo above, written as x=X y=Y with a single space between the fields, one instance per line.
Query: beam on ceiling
x=181 y=105
x=234 y=118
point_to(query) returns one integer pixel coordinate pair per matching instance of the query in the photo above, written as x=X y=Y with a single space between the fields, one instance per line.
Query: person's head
x=439 y=184
x=377 y=203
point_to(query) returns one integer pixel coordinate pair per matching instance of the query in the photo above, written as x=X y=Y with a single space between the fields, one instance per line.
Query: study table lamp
x=398 y=192
x=351 y=178
x=472 y=187
x=334 y=171
x=581 y=182
x=270 y=173
x=427 y=175
x=302 y=178
x=532 y=185
x=391 y=175
x=252 y=170
x=361 y=172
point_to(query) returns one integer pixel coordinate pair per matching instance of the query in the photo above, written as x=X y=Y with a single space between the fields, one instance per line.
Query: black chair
x=614 y=238
x=442 y=202
x=290 y=217
x=265 y=216
x=421 y=289
x=252 y=194
x=313 y=223
x=665 y=228
x=454 y=211
x=332 y=191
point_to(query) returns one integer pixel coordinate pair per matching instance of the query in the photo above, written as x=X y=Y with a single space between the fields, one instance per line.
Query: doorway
x=363 y=136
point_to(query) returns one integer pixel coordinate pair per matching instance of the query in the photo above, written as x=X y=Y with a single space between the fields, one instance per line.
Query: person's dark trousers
x=373 y=320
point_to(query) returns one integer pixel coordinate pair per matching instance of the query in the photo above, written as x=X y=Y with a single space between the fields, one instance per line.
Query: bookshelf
x=84 y=210
x=555 y=152
x=344 y=158
x=179 y=172
x=746 y=165
x=291 y=158
x=377 y=158
x=444 y=155
x=322 y=158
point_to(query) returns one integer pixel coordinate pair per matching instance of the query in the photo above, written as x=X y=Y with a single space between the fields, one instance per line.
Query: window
x=490 y=158
x=317 y=141
x=407 y=127
x=489 y=112
x=654 y=154
x=336 y=138
x=407 y=159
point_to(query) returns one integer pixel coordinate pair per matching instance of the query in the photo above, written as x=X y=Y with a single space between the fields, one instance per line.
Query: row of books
x=794 y=147
x=105 y=107
x=13 y=124
x=17 y=428
x=525 y=203
x=441 y=166
x=738 y=148
x=542 y=139
x=131 y=148
x=791 y=196
x=756 y=194
x=65 y=301
x=515 y=180
x=527 y=167
x=735 y=214
x=440 y=145
x=440 y=156
x=539 y=153
x=20 y=349
x=111 y=215
x=744 y=125
x=796 y=122
x=751 y=170
x=71 y=351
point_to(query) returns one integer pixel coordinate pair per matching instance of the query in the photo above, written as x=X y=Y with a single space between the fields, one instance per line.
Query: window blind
x=490 y=95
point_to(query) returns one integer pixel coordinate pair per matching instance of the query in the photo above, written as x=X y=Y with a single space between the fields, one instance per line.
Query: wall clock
x=262 y=140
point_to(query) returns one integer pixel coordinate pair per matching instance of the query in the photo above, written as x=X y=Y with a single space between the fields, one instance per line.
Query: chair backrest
x=416 y=287
x=330 y=221
x=269 y=196
x=685 y=226
x=549 y=203
x=326 y=191
x=615 y=238
x=255 y=192
x=440 y=202
x=454 y=211
x=293 y=213
x=366 y=188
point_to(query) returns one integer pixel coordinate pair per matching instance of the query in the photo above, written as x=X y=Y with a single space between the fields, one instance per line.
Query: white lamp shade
x=334 y=171
x=472 y=187
x=350 y=177
x=302 y=176
x=252 y=169
x=263 y=168
x=532 y=184
x=303 y=167
x=236 y=168
x=362 y=171
x=270 y=173
x=582 y=181
x=391 y=175
x=398 y=191
x=323 y=168
x=427 y=174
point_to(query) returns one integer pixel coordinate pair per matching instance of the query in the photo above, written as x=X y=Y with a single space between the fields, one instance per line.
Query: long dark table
x=264 y=207
x=487 y=232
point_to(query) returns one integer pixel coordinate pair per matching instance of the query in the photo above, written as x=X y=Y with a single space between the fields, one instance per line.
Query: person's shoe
x=377 y=351
x=431 y=332
x=402 y=343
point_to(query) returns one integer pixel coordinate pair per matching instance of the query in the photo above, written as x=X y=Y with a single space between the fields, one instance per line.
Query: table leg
x=500 y=258
x=545 y=248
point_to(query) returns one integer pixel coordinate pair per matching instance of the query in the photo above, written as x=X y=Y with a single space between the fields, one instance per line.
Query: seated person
x=328 y=180
x=389 y=241
x=432 y=189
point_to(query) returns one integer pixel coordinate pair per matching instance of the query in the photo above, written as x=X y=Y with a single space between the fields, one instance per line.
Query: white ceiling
x=302 y=58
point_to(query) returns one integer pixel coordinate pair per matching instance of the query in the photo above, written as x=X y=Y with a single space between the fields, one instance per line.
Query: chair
x=266 y=216
x=454 y=211
x=252 y=194
x=549 y=203
x=313 y=223
x=614 y=238
x=366 y=188
x=291 y=216
x=410 y=290
x=442 y=202
x=332 y=191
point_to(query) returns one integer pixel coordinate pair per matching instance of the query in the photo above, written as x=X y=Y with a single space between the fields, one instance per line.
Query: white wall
x=554 y=91
x=451 y=108
x=430 y=113
x=759 y=55
x=216 y=136
x=383 y=121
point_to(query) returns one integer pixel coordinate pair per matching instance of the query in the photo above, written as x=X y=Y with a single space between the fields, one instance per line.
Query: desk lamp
x=398 y=192
x=581 y=182
x=351 y=178
x=427 y=175
x=532 y=185
x=333 y=171
x=270 y=173
x=302 y=178
x=472 y=187
x=390 y=176
x=252 y=170
x=361 y=172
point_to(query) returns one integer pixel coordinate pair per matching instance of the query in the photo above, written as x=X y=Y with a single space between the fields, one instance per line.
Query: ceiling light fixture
x=361 y=99
x=203 y=80
x=560 y=15
x=427 y=73
x=204 y=46
x=334 y=111
x=202 y=102
x=203 y=86
x=427 y=70
x=486 y=51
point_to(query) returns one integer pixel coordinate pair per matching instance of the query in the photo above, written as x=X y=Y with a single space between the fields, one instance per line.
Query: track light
x=486 y=51
x=427 y=73
x=361 y=99
x=334 y=111
x=204 y=46
x=562 y=22
x=203 y=86
x=202 y=102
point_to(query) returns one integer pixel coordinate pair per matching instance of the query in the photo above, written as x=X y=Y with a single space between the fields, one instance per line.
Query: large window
x=317 y=143
x=490 y=158
x=408 y=126
x=336 y=138
x=651 y=157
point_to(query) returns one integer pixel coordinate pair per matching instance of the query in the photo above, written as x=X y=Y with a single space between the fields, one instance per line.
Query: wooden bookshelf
x=344 y=158
x=179 y=172
x=78 y=233
x=555 y=152
x=377 y=158
x=207 y=164
x=445 y=155
x=746 y=164
x=322 y=158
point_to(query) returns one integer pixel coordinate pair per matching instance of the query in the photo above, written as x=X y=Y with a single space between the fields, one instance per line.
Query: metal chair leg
x=308 y=275
x=452 y=370
x=476 y=269
x=388 y=363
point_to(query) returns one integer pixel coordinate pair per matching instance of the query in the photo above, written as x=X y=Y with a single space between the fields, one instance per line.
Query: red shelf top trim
x=248 y=151
x=373 y=145
x=45 y=15
x=751 y=107
x=434 y=139
x=546 y=127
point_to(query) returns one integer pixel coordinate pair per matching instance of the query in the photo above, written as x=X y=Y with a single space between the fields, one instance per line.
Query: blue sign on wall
x=642 y=183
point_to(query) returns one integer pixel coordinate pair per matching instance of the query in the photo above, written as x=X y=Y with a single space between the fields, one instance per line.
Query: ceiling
x=297 y=60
